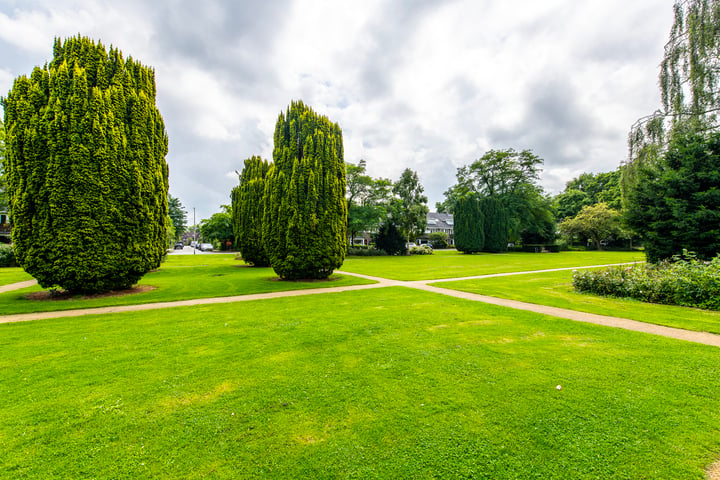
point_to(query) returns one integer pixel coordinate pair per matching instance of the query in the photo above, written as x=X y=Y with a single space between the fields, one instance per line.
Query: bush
x=439 y=239
x=390 y=239
x=365 y=251
x=421 y=250
x=7 y=256
x=687 y=282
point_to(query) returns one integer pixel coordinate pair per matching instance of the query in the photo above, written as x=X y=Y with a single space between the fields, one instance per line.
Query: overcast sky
x=425 y=84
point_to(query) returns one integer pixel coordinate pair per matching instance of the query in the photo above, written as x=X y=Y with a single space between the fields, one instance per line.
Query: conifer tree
x=496 y=224
x=247 y=212
x=87 y=177
x=305 y=218
x=469 y=229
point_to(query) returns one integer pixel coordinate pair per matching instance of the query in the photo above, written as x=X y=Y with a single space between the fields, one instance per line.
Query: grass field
x=12 y=275
x=387 y=383
x=453 y=264
x=181 y=277
x=555 y=289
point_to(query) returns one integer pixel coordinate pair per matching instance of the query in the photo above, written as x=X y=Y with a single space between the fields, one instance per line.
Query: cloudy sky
x=425 y=84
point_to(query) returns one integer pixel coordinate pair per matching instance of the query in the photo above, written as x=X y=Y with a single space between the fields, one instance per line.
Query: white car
x=206 y=247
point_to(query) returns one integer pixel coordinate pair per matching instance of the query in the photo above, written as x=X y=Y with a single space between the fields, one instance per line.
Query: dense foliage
x=178 y=217
x=248 y=208
x=512 y=178
x=368 y=199
x=496 y=224
x=409 y=209
x=690 y=282
x=589 y=189
x=469 y=225
x=86 y=171
x=7 y=256
x=676 y=202
x=596 y=222
x=218 y=230
x=389 y=239
x=305 y=218
x=3 y=183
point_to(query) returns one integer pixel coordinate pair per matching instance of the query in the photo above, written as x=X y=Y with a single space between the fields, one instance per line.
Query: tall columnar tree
x=86 y=170
x=3 y=183
x=469 y=229
x=496 y=224
x=248 y=207
x=305 y=218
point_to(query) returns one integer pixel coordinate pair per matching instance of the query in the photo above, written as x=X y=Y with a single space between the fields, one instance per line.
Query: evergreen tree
x=3 y=187
x=247 y=212
x=86 y=170
x=390 y=239
x=676 y=203
x=410 y=207
x=496 y=224
x=305 y=218
x=469 y=229
x=178 y=217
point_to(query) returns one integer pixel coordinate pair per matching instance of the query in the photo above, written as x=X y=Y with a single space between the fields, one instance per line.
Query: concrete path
x=615 y=322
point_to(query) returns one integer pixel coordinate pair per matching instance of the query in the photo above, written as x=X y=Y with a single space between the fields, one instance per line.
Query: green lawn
x=387 y=383
x=555 y=289
x=452 y=264
x=181 y=277
x=10 y=275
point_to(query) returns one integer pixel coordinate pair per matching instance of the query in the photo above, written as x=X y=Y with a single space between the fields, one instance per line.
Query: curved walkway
x=680 y=334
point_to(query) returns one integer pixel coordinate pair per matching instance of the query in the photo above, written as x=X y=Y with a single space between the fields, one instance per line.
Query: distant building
x=440 y=222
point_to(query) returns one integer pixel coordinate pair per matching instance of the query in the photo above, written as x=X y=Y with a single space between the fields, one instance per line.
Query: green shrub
x=390 y=239
x=365 y=251
x=687 y=282
x=439 y=240
x=7 y=256
x=421 y=250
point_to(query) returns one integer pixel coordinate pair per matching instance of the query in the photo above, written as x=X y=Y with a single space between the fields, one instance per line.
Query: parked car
x=179 y=246
x=206 y=247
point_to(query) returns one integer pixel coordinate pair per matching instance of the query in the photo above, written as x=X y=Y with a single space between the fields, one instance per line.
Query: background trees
x=218 y=229
x=409 y=211
x=676 y=201
x=178 y=217
x=248 y=208
x=305 y=219
x=510 y=178
x=86 y=171
x=367 y=199
x=595 y=222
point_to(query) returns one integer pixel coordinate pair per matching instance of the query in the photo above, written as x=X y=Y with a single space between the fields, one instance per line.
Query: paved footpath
x=688 y=335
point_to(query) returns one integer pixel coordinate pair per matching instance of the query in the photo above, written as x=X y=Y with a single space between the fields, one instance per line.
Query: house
x=439 y=222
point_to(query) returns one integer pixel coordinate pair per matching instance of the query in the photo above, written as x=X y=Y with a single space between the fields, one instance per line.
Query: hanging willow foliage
x=689 y=79
x=86 y=170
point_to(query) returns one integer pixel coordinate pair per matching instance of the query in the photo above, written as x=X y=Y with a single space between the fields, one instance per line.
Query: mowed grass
x=180 y=277
x=453 y=264
x=387 y=383
x=555 y=289
x=10 y=275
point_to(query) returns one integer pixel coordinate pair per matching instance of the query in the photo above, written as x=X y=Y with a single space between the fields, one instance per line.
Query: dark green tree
x=496 y=224
x=390 y=239
x=676 y=202
x=469 y=228
x=409 y=211
x=86 y=171
x=511 y=177
x=178 y=217
x=248 y=207
x=305 y=219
